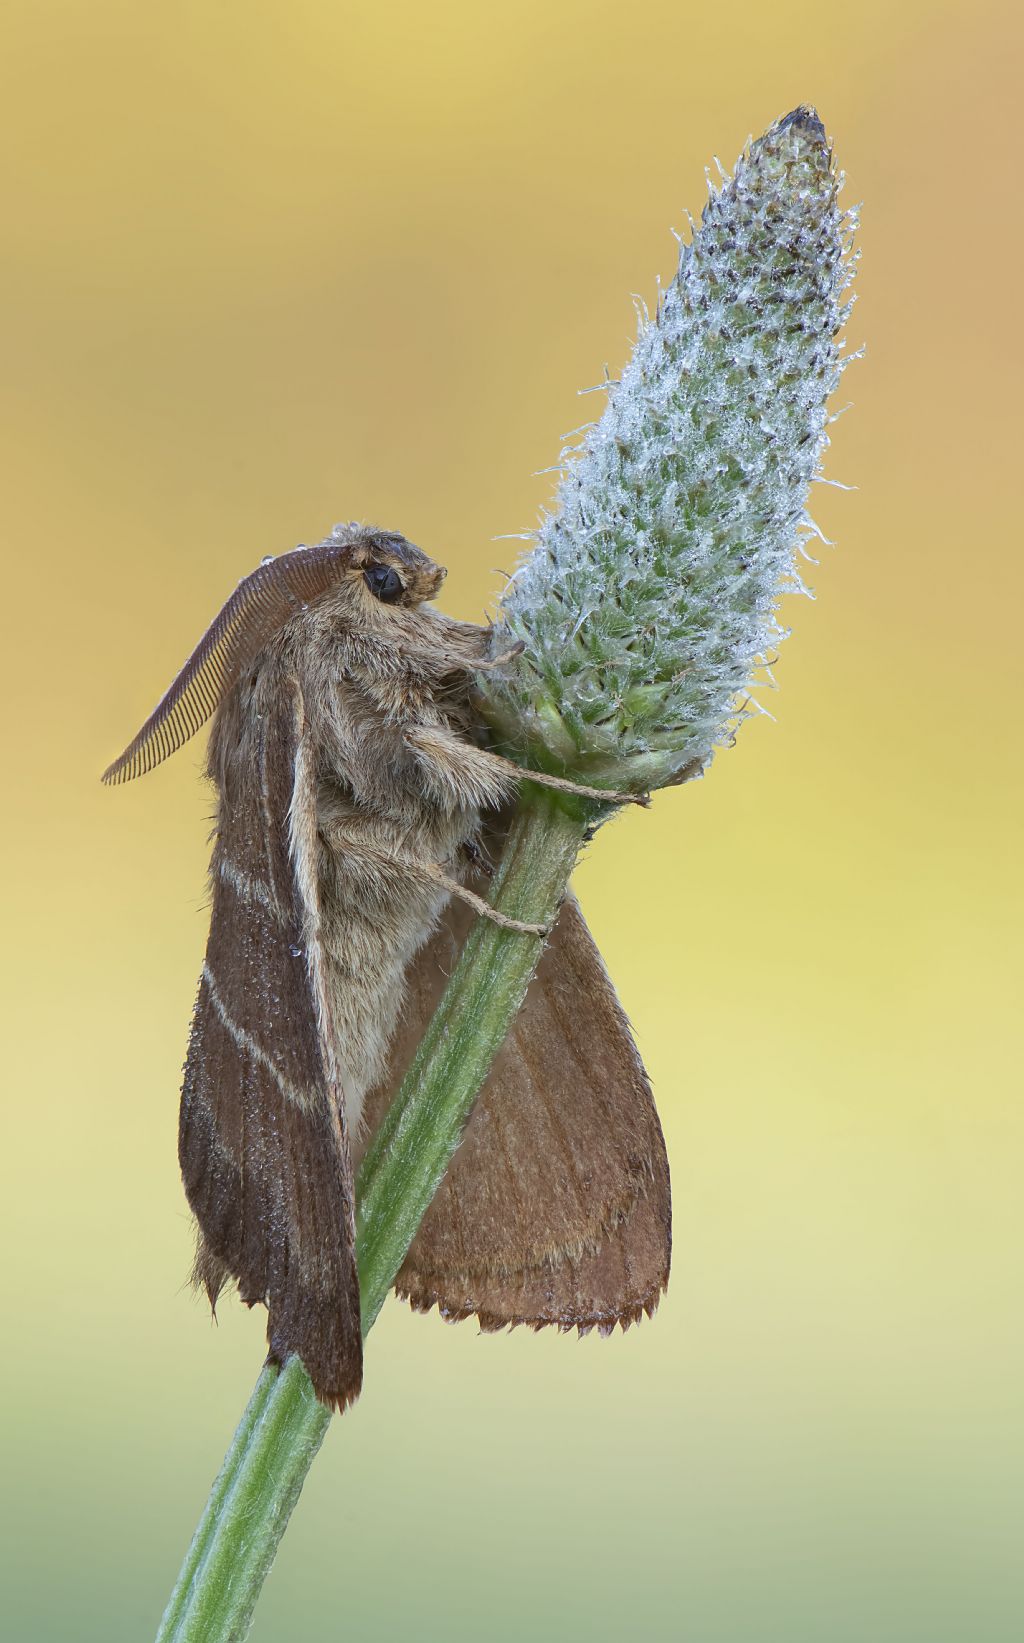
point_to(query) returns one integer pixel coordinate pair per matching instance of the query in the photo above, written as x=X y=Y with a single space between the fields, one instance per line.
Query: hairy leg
x=342 y=839
x=454 y=758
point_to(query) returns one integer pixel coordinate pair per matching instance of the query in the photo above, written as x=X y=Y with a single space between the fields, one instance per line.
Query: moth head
x=361 y=569
x=392 y=571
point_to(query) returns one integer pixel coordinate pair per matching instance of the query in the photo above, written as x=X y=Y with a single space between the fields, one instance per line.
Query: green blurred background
x=267 y=267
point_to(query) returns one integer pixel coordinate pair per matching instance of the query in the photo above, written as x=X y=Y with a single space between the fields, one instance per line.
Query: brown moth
x=353 y=796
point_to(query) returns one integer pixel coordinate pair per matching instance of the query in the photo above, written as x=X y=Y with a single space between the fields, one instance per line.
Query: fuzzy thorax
x=648 y=604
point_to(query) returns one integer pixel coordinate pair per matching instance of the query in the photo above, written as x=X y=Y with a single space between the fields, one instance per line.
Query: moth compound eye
x=384 y=583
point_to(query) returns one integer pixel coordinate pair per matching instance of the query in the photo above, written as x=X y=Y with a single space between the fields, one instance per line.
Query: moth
x=355 y=801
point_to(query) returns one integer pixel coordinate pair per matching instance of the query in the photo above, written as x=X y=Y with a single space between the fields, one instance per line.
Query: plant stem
x=208 y=1524
x=284 y=1423
x=248 y=1510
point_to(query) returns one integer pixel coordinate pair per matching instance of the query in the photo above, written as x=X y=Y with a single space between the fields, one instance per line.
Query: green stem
x=284 y=1423
x=208 y=1523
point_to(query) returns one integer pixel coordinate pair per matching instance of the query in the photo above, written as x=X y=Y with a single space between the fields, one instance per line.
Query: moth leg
x=453 y=765
x=432 y=873
x=452 y=658
x=484 y=908
x=483 y=664
x=605 y=795
x=456 y=771
x=478 y=858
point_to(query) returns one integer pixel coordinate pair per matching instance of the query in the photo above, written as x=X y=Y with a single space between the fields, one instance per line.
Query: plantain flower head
x=648 y=605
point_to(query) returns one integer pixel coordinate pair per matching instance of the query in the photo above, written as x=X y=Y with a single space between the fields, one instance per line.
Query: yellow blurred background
x=267 y=267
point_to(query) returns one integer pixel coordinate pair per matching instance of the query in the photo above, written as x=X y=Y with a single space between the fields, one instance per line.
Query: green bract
x=648 y=604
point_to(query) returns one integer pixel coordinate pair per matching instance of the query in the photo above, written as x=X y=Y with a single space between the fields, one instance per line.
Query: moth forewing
x=263 y=1149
